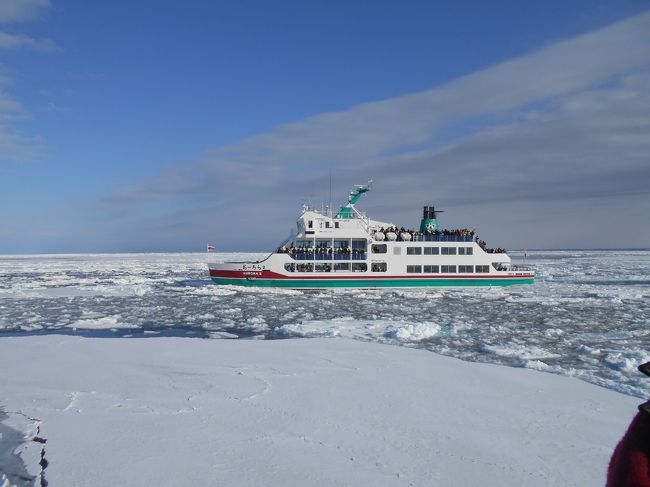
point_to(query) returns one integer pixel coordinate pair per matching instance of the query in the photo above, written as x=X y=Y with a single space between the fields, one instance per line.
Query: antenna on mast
x=330 y=200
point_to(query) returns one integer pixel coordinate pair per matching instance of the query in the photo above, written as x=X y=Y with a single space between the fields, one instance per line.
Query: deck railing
x=328 y=256
x=442 y=238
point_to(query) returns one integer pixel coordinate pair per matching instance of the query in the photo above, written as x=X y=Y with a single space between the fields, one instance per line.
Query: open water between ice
x=587 y=315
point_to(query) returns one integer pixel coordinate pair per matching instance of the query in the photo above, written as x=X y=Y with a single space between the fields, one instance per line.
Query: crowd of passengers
x=309 y=268
x=459 y=232
x=464 y=232
x=328 y=251
x=321 y=250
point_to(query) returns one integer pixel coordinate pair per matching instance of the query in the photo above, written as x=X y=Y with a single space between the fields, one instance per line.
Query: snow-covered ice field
x=362 y=400
x=177 y=411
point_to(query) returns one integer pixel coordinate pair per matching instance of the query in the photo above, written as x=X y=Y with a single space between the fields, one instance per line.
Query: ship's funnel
x=429 y=221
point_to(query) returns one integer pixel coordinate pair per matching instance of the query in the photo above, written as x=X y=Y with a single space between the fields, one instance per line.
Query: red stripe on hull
x=227 y=274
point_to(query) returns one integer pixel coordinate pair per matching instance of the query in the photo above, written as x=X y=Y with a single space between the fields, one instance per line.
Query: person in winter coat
x=630 y=462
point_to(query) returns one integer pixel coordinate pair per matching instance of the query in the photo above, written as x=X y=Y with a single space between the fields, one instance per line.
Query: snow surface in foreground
x=176 y=411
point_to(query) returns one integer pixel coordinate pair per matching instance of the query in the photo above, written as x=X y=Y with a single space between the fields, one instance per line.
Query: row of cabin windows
x=382 y=249
x=355 y=243
x=383 y=267
x=446 y=269
x=439 y=250
x=327 y=267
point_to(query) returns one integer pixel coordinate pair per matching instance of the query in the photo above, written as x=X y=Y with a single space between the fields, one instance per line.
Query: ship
x=347 y=249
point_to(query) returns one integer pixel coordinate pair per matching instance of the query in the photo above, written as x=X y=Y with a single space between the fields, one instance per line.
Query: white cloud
x=15 y=146
x=17 y=41
x=568 y=122
x=20 y=10
x=365 y=137
x=10 y=108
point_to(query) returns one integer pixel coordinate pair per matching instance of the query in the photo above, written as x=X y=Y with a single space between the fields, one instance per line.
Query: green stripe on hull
x=369 y=283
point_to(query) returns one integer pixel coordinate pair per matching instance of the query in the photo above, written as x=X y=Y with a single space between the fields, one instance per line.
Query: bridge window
x=448 y=269
x=413 y=269
x=359 y=267
x=413 y=250
x=431 y=269
x=449 y=251
x=465 y=268
x=378 y=267
x=431 y=250
x=379 y=248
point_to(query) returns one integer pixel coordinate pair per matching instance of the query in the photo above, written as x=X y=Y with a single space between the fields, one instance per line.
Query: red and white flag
x=211 y=248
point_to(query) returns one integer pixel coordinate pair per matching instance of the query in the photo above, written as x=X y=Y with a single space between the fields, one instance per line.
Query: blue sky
x=135 y=126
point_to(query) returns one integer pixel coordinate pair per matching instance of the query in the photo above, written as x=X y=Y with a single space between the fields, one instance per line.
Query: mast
x=346 y=210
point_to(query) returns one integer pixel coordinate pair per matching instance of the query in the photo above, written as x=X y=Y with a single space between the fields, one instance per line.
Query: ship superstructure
x=350 y=250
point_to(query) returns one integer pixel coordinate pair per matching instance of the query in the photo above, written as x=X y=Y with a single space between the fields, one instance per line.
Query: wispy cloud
x=17 y=41
x=567 y=122
x=14 y=145
x=21 y=10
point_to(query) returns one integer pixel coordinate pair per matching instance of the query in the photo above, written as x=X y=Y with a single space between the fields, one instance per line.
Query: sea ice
x=178 y=411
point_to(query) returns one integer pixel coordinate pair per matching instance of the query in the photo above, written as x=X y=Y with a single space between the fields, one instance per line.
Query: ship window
x=310 y=224
x=323 y=244
x=450 y=269
x=465 y=268
x=431 y=269
x=336 y=224
x=327 y=224
x=290 y=267
x=397 y=250
x=469 y=251
x=359 y=267
x=461 y=250
x=341 y=266
x=323 y=267
x=379 y=248
x=413 y=250
x=482 y=268
x=304 y=244
x=359 y=243
x=412 y=269
x=378 y=267
x=449 y=251
x=305 y=267
x=341 y=244
x=431 y=250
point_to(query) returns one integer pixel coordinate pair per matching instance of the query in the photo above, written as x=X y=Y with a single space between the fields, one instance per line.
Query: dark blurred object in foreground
x=630 y=463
